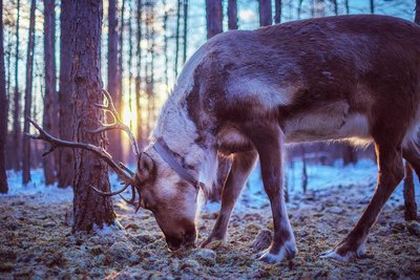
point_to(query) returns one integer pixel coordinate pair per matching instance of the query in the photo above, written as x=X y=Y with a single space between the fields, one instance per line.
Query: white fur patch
x=264 y=93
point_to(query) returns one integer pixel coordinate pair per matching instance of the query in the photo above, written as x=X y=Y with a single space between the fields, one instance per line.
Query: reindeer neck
x=183 y=137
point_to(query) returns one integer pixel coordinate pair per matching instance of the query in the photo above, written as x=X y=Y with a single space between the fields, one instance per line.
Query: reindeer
x=246 y=94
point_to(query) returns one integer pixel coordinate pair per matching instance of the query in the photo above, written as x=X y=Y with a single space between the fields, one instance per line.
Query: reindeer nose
x=173 y=244
x=186 y=240
x=189 y=239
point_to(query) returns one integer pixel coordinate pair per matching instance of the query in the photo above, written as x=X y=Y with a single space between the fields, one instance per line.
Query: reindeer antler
x=117 y=123
x=122 y=172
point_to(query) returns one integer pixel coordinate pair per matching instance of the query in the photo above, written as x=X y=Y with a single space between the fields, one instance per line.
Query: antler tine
x=122 y=172
x=117 y=123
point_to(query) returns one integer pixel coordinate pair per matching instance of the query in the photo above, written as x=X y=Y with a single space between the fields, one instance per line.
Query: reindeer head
x=169 y=193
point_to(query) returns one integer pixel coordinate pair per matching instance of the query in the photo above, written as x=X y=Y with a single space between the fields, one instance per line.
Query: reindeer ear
x=145 y=167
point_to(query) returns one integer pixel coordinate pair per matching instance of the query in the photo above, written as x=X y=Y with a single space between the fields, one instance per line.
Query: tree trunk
x=372 y=7
x=138 y=75
x=184 y=52
x=304 y=170
x=26 y=154
x=114 y=75
x=178 y=25
x=417 y=18
x=265 y=13
x=335 y=5
x=130 y=62
x=214 y=17
x=165 y=45
x=3 y=110
x=277 y=11
x=410 y=213
x=16 y=101
x=349 y=155
x=347 y=5
x=66 y=156
x=90 y=208
x=232 y=13
x=50 y=99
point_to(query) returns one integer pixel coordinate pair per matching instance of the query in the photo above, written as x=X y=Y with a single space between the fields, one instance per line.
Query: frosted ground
x=36 y=240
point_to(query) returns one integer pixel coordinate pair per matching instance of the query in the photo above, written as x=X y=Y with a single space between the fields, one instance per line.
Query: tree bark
x=138 y=75
x=232 y=13
x=304 y=170
x=16 y=100
x=90 y=208
x=335 y=5
x=66 y=155
x=265 y=13
x=214 y=17
x=410 y=213
x=114 y=74
x=26 y=154
x=178 y=25
x=349 y=155
x=347 y=5
x=184 y=52
x=50 y=100
x=3 y=110
x=277 y=11
x=165 y=44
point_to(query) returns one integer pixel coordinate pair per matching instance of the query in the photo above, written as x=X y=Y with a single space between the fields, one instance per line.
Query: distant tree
x=409 y=195
x=130 y=58
x=66 y=156
x=26 y=154
x=335 y=6
x=299 y=8
x=50 y=120
x=165 y=43
x=115 y=70
x=150 y=62
x=90 y=208
x=177 y=36
x=304 y=170
x=277 y=11
x=372 y=6
x=232 y=13
x=185 y=29
x=139 y=36
x=3 y=110
x=265 y=13
x=214 y=17
x=349 y=155
x=347 y=6
x=16 y=148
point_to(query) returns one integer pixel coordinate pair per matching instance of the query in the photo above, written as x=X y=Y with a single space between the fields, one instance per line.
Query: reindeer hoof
x=270 y=258
x=212 y=242
x=341 y=255
x=333 y=255
x=288 y=251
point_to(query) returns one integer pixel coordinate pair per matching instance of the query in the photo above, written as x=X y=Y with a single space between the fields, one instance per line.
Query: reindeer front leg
x=242 y=166
x=268 y=140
